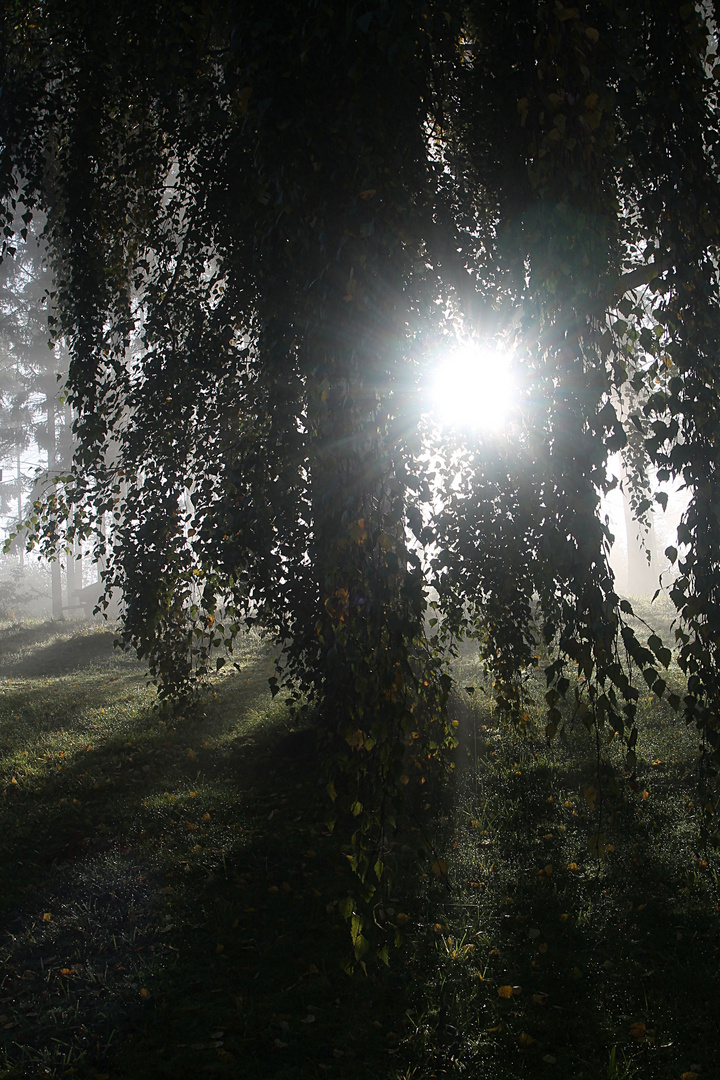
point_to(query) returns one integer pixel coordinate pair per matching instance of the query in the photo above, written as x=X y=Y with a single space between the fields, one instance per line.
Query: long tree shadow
x=542 y=954
x=59 y=649
x=173 y=909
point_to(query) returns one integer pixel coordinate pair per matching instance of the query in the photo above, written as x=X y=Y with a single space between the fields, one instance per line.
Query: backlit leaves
x=251 y=302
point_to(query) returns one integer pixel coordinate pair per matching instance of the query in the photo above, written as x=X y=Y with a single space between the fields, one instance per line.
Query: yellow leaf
x=369 y=193
x=689 y=1076
x=526 y=1040
x=331 y=791
x=440 y=868
x=505 y=991
x=355 y=740
x=637 y=1030
x=401 y=918
x=144 y=994
x=47 y=916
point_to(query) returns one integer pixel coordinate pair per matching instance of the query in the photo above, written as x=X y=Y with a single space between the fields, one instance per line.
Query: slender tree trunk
x=71 y=577
x=21 y=550
x=56 y=569
x=642 y=574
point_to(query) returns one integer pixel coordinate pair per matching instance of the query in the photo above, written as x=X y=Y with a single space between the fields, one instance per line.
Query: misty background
x=37 y=444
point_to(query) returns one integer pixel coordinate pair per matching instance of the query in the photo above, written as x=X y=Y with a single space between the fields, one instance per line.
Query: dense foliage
x=265 y=222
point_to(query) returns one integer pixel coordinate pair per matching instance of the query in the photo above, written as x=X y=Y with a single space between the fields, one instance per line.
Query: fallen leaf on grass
x=638 y=1030
x=526 y=1040
x=689 y=1076
x=440 y=868
x=590 y=795
x=549 y=1059
x=505 y=991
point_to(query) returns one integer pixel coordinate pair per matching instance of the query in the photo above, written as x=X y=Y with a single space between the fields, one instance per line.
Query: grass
x=169 y=893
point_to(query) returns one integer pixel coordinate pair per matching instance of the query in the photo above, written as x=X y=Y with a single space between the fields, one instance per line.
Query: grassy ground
x=168 y=894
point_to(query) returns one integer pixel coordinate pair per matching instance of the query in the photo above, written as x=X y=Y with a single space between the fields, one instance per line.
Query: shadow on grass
x=170 y=901
x=544 y=960
x=172 y=891
x=59 y=648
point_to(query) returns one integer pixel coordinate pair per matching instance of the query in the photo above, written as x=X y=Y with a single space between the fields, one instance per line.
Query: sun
x=472 y=388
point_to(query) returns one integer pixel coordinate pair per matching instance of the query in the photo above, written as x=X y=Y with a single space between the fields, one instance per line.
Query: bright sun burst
x=473 y=388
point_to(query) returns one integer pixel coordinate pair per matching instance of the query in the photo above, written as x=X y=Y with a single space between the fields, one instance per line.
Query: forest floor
x=169 y=892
